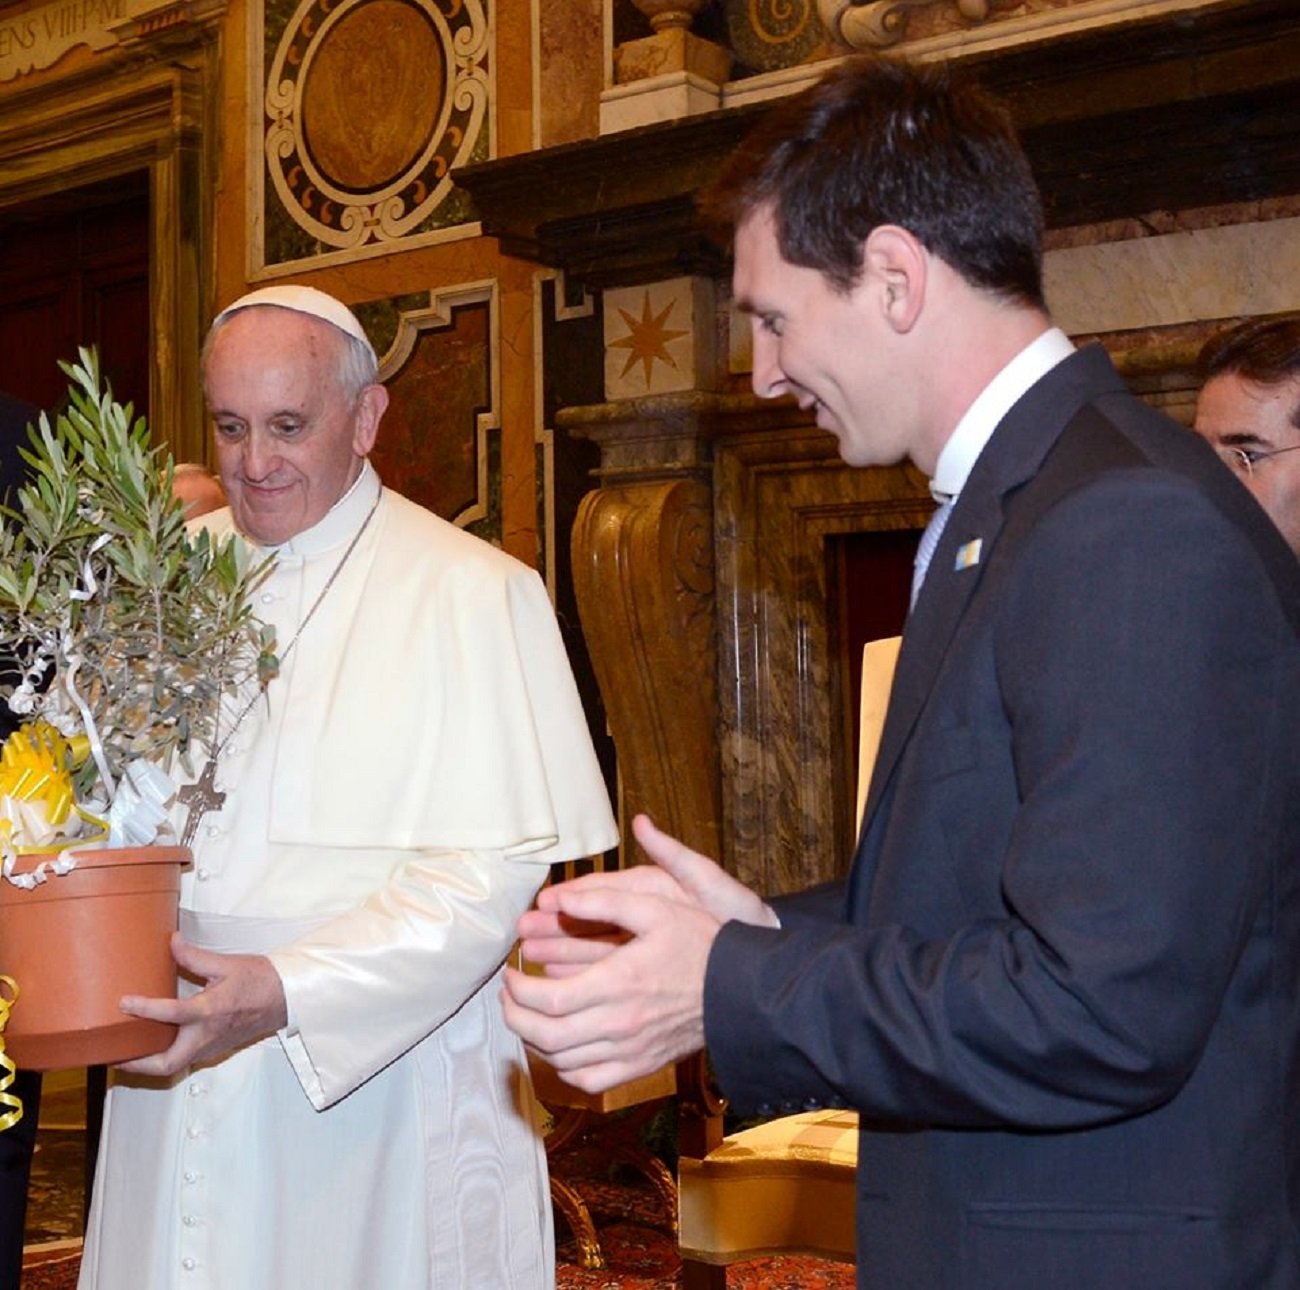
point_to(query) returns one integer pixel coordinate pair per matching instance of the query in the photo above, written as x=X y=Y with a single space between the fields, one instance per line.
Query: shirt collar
x=975 y=429
x=339 y=523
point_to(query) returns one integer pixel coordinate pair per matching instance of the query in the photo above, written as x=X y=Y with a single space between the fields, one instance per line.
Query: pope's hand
x=242 y=1001
x=625 y=955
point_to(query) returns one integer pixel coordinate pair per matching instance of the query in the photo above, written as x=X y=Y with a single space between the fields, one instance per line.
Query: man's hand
x=636 y=1009
x=701 y=879
x=562 y=944
x=242 y=1001
x=625 y=957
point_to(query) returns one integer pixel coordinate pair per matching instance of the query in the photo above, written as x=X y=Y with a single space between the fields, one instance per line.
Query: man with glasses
x=1249 y=410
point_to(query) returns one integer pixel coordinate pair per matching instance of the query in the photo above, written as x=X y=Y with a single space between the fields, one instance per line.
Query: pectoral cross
x=201 y=797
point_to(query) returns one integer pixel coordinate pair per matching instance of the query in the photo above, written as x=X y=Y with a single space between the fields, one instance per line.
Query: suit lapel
x=1012 y=456
x=945 y=595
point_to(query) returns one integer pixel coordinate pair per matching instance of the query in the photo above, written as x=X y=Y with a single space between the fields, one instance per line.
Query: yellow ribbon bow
x=7 y=1068
x=36 y=793
x=36 y=765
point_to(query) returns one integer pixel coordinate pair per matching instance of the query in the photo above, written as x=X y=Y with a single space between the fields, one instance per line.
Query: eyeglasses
x=1244 y=460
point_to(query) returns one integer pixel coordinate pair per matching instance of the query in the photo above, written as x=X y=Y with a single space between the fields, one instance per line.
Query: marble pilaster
x=782 y=498
x=703 y=570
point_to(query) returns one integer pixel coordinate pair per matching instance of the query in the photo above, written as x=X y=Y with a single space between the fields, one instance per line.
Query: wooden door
x=74 y=270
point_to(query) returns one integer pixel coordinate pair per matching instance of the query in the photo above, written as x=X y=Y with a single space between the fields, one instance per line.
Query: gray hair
x=357 y=366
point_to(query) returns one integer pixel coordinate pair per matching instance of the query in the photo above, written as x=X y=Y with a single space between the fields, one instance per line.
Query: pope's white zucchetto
x=302 y=300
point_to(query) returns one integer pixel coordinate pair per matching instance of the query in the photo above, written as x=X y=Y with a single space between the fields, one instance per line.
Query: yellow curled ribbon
x=8 y=1070
x=36 y=765
x=36 y=790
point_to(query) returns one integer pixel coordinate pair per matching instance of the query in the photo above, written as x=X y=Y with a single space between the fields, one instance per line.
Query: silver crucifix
x=201 y=797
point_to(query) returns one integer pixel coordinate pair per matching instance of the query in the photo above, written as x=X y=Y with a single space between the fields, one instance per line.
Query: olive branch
x=116 y=621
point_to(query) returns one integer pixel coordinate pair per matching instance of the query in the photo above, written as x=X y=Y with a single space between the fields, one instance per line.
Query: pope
x=343 y=1105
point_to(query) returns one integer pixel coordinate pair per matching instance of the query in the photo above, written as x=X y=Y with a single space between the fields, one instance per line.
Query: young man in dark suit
x=1060 y=981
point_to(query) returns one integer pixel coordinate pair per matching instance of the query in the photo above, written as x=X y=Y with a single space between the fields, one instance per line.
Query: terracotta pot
x=77 y=943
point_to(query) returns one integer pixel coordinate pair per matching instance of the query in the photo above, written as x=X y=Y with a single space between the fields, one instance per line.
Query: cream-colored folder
x=878 y=659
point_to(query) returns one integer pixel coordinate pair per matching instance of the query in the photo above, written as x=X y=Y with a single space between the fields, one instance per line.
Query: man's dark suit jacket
x=1063 y=982
x=15 y=1143
x=15 y=415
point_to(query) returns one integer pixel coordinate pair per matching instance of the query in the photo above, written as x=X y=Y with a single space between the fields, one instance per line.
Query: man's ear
x=894 y=273
x=371 y=406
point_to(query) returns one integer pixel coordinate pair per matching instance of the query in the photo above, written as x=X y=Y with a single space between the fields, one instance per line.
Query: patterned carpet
x=50 y=1269
x=636 y=1236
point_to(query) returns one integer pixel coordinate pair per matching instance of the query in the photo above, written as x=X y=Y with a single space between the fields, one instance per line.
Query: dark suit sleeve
x=1126 y=709
x=811 y=907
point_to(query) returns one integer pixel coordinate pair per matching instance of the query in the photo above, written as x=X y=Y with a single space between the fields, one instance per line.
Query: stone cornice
x=34 y=39
x=1130 y=106
x=49 y=131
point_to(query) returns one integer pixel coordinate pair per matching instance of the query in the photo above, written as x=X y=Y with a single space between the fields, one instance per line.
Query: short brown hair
x=1265 y=350
x=878 y=141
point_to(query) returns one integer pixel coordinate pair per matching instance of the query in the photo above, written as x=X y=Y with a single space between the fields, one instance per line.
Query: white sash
x=234 y=934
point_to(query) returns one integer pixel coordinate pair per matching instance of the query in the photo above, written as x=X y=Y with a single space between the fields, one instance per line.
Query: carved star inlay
x=647 y=338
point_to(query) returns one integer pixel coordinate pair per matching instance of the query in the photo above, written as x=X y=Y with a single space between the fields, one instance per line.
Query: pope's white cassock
x=391 y=809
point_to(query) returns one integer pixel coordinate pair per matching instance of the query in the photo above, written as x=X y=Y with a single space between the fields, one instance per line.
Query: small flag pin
x=968 y=555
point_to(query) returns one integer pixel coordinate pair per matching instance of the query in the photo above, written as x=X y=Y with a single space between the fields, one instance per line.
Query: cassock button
x=202 y=875
x=189 y=1264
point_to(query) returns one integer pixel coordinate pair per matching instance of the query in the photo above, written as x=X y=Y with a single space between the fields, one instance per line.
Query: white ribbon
x=88 y=571
x=60 y=863
x=139 y=808
x=74 y=662
x=134 y=820
x=69 y=680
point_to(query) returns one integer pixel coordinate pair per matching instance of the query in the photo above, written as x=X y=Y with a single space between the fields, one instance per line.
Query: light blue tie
x=929 y=542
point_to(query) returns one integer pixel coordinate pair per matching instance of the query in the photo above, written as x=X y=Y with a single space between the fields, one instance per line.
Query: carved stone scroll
x=781 y=501
x=643 y=574
x=877 y=24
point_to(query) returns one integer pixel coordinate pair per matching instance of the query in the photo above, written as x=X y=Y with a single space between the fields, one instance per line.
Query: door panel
x=74 y=270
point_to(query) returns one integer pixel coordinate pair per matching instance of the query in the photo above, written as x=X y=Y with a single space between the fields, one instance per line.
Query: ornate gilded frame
x=337 y=173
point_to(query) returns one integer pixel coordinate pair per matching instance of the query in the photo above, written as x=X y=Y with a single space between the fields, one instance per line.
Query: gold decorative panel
x=769 y=34
x=658 y=338
x=439 y=443
x=367 y=105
